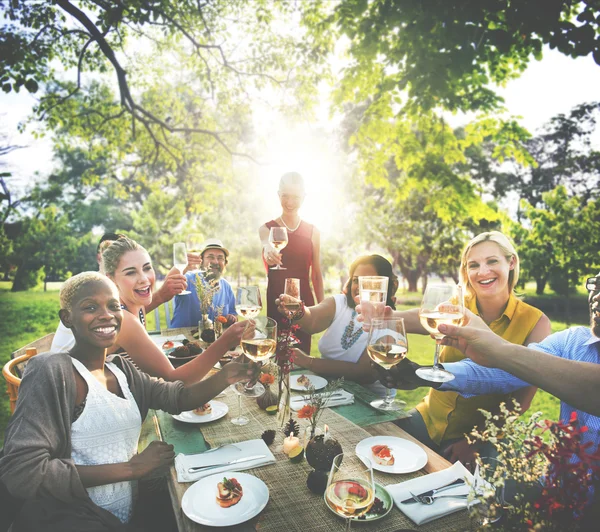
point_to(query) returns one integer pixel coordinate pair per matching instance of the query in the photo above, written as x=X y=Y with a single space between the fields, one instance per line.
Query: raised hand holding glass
x=180 y=260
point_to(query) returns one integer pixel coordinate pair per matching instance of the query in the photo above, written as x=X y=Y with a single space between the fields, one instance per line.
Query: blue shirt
x=576 y=343
x=186 y=309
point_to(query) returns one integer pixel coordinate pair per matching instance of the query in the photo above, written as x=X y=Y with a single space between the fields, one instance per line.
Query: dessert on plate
x=229 y=492
x=383 y=455
x=303 y=380
x=203 y=410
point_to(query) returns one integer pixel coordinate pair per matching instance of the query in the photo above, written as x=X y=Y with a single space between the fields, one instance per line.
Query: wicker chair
x=13 y=369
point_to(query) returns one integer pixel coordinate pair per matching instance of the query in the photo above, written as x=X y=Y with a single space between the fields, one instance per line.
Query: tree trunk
x=540 y=285
x=412 y=277
x=20 y=284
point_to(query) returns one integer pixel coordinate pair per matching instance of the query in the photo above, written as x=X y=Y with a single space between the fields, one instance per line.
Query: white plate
x=408 y=456
x=199 y=502
x=315 y=380
x=219 y=409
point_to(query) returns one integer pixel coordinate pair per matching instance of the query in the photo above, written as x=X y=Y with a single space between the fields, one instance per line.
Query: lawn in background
x=26 y=316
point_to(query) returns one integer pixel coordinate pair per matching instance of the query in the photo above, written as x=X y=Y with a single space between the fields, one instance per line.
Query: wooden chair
x=13 y=369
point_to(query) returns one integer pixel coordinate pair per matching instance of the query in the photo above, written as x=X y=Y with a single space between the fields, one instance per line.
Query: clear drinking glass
x=387 y=346
x=194 y=247
x=350 y=488
x=442 y=304
x=373 y=291
x=248 y=302
x=488 y=489
x=278 y=238
x=180 y=260
x=260 y=348
x=239 y=420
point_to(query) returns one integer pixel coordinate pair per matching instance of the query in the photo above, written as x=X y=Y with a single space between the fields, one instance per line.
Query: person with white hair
x=301 y=256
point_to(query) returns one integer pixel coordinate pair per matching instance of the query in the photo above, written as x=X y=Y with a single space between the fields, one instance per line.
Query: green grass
x=26 y=316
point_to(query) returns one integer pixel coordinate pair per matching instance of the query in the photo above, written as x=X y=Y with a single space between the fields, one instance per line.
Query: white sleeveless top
x=330 y=344
x=107 y=432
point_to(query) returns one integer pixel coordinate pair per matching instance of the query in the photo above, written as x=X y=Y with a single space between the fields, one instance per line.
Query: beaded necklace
x=350 y=336
x=289 y=228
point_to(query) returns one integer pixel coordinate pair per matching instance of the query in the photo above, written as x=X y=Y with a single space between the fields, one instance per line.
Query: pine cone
x=291 y=426
x=268 y=436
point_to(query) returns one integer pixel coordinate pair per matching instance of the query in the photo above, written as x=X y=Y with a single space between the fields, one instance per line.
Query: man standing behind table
x=212 y=260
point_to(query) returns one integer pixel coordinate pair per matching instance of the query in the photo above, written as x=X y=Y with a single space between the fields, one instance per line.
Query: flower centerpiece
x=284 y=358
x=268 y=398
x=550 y=465
x=206 y=286
x=316 y=403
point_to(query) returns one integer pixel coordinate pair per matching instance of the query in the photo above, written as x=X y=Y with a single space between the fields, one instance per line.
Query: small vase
x=206 y=329
x=321 y=450
x=309 y=433
x=269 y=398
x=283 y=397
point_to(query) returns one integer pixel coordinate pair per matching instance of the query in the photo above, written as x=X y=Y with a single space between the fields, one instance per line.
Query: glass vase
x=284 y=398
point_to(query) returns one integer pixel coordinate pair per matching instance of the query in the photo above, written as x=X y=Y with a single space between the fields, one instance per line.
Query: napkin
x=422 y=513
x=246 y=448
x=342 y=397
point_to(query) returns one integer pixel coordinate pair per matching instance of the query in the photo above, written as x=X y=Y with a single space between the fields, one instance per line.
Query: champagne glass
x=350 y=488
x=291 y=300
x=248 y=303
x=278 y=238
x=239 y=420
x=180 y=260
x=259 y=348
x=442 y=304
x=373 y=291
x=387 y=346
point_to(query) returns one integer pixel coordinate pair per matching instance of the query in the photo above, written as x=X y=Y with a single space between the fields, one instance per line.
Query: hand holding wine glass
x=278 y=238
x=180 y=260
x=442 y=304
x=350 y=488
x=259 y=347
x=387 y=346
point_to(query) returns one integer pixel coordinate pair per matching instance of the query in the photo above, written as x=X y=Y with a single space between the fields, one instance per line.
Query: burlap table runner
x=292 y=507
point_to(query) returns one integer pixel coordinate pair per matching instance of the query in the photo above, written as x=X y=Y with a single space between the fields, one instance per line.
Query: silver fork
x=212 y=449
x=428 y=499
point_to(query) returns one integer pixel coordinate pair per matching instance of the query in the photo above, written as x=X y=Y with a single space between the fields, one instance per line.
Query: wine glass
x=239 y=420
x=194 y=246
x=180 y=260
x=373 y=291
x=259 y=348
x=488 y=490
x=387 y=346
x=248 y=303
x=291 y=299
x=278 y=238
x=442 y=304
x=350 y=488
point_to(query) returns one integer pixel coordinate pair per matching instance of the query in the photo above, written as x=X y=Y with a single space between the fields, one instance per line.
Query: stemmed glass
x=180 y=260
x=259 y=348
x=248 y=303
x=387 y=346
x=350 y=488
x=442 y=304
x=291 y=300
x=239 y=420
x=278 y=238
x=373 y=291
x=194 y=246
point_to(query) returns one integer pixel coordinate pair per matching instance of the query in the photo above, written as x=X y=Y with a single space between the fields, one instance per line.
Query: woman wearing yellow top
x=489 y=272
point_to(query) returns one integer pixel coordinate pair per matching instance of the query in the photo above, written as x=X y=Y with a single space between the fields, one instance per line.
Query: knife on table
x=223 y=464
x=454 y=484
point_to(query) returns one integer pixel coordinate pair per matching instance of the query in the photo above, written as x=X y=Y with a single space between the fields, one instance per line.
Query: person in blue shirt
x=212 y=261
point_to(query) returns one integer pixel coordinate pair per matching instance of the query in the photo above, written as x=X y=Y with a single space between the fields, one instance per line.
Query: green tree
x=560 y=242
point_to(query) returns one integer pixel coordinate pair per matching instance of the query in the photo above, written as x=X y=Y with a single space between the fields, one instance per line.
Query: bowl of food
x=183 y=352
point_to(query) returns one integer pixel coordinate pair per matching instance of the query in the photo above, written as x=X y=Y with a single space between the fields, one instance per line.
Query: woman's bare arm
x=315 y=269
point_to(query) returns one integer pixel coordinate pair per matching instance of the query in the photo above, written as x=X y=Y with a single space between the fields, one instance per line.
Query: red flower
x=307 y=412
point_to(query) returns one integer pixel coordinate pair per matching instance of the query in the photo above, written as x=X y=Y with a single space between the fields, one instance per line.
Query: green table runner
x=361 y=412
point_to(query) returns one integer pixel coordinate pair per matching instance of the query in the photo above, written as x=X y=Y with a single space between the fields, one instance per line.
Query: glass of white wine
x=180 y=260
x=194 y=247
x=442 y=304
x=278 y=238
x=387 y=345
x=259 y=348
x=350 y=488
x=248 y=303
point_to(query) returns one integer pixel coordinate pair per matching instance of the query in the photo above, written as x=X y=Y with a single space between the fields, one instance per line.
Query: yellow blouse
x=448 y=415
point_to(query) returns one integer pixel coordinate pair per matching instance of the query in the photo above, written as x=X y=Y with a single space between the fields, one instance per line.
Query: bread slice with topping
x=229 y=492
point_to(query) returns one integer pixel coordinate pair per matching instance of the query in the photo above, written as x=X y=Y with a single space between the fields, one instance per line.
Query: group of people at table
x=70 y=456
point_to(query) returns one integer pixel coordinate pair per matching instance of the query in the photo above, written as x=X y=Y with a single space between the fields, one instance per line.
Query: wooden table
x=176 y=490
